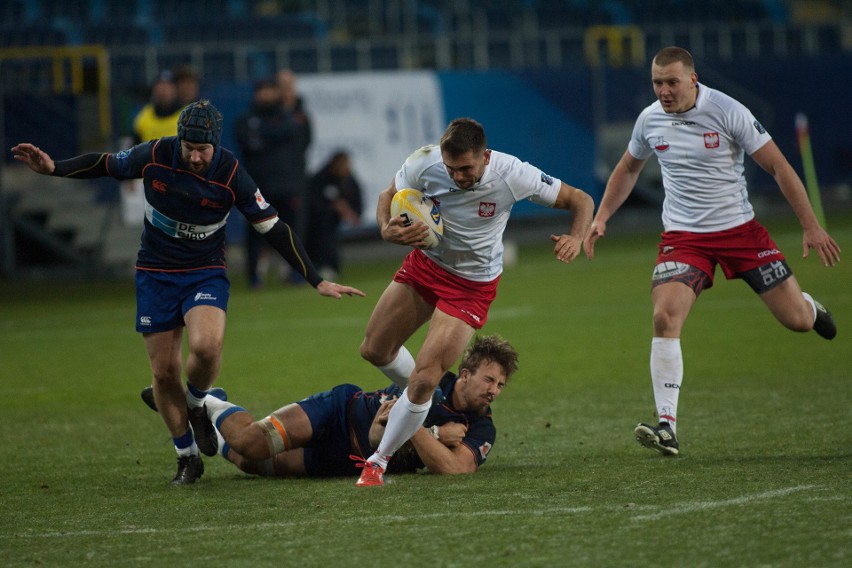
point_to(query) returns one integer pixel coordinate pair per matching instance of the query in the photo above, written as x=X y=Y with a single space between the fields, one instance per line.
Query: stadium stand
x=238 y=41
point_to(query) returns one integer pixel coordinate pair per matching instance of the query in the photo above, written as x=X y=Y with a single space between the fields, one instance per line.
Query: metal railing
x=481 y=49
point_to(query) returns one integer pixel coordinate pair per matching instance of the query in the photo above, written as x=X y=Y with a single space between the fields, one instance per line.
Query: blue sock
x=185 y=445
x=194 y=396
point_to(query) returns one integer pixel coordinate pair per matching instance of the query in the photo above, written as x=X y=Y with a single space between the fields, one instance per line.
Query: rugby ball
x=413 y=206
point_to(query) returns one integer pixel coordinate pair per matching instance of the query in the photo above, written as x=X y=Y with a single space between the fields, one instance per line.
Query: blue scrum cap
x=200 y=122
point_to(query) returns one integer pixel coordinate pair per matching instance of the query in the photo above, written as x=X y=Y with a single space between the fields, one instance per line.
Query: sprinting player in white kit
x=699 y=136
x=453 y=285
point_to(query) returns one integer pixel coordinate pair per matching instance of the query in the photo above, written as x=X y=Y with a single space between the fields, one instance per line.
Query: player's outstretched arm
x=334 y=290
x=770 y=158
x=282 y=238
x=621 y=182
x=36 y=159
x=581 y=206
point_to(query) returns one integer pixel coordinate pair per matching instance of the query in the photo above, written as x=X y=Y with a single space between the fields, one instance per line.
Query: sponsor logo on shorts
x=768 y=252
x=773 y=272
x=484 y=449
x=487 y=209
x=711 y=139
x=666 y=270
x=204 y=296
x=473 y=316
x=145 y=320
x=660 y=144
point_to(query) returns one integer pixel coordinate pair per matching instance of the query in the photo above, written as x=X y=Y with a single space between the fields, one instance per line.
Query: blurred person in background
x=158 y=118
x=295 y=173
x=191 y=186
x=700 y=137
x=187 y=84
x=333 y=197
x=265 y=135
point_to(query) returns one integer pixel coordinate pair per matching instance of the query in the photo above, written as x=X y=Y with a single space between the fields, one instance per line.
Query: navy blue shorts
x=163 y=298
x=328 y=452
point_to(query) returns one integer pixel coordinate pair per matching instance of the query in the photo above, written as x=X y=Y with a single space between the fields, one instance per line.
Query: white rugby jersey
x=475 y=218
x=701 y=157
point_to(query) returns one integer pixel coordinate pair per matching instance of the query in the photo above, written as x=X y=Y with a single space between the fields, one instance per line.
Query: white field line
x=545 y=512
x=704 y=505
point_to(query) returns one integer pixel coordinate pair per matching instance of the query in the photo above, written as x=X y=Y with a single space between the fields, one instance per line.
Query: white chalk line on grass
x=553 y=511
x=704 y=505
x=301 y=523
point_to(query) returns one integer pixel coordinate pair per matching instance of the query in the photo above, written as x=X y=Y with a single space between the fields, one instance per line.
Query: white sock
x=403 y=421
x=400 y=368
x=809 y=299
x=194 y=396
x=666 y=377
x=223 y=445
x=216 y=408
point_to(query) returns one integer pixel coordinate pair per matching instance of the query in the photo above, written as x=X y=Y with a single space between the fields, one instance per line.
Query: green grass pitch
x=764 y=477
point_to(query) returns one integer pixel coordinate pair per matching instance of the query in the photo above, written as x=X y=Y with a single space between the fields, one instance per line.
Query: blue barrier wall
x=542 y=118
x=545 y=117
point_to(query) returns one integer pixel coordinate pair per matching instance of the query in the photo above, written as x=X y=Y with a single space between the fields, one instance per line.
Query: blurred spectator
x=158 y=118
x=188 y=85
x=334 y=195
x=265 y=137
x=295 y=165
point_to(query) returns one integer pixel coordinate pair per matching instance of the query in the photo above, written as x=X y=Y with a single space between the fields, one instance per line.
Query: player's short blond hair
x=673 y=54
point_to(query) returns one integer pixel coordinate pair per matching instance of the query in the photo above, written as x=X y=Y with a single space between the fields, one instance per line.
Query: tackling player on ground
x=452 y=285
x=699 y=136
x=191 y=185
x=320 y=435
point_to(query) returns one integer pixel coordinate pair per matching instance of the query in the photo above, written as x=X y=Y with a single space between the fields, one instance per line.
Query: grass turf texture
x=763 y=478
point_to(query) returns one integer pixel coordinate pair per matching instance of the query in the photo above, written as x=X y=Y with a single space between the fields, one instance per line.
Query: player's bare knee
x=166 y=377
x=422 y=384
x=664 y=323
x=373 y=355
x=207 y=353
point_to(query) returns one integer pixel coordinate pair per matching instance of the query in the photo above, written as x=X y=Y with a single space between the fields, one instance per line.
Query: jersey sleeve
x=127 y=164
x=249 y=199
x=410 y=175
x=746 y=130
x=529 y=182
x=638 y=145
x=480 y=438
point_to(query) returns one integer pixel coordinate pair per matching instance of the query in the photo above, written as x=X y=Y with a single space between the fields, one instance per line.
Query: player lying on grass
x=332 y=432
